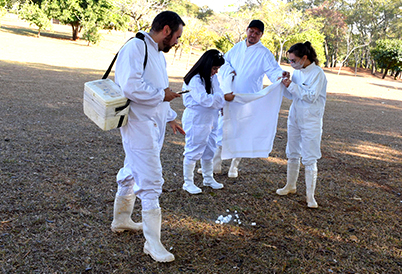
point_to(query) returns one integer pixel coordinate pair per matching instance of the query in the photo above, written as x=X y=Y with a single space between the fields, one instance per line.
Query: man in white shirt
x=147 y=88
x=248 y=61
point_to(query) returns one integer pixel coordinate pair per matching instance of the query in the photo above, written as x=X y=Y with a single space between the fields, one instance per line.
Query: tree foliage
x=141 y=12
x=35 y=16
x=388 y=55
x=77 y=13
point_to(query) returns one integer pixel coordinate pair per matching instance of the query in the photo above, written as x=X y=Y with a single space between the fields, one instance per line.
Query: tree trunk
x=189 y=56
x=280 y=52
x=356 y=63
x=76 y=28
x=373 y=69
x=385 y=73
x=326 y=53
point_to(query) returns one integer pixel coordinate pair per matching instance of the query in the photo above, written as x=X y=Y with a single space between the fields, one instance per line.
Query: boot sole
x=214 y=187
x=167 y=260
x=198 y=192
x=120 y=230
x=284 y=194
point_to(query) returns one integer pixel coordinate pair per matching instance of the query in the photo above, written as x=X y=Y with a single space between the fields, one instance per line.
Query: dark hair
x=301 y=49
x=203 y=67
x=169 y=18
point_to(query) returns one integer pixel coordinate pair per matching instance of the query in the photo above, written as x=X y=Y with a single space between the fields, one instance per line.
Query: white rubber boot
x=207 y=173
x=233 y=170
x=311 y=180
x=123 y=208
x=188 y=174
x=293 y=167
x=217 y=160
x=152 y=231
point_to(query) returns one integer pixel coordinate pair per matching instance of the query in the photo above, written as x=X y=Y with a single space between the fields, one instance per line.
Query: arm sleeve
x=271 y=67
x=227 y=67
x=171 y=114
x=129 y=75
x=308 y=93
x=199 y=94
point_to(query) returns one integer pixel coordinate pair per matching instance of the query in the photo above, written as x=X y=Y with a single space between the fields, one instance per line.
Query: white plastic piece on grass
x=253 y=224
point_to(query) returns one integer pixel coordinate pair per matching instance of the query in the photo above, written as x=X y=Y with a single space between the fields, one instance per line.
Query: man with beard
x=147 y=88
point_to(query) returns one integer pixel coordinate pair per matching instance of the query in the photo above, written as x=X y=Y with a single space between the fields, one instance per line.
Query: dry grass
x=58 y=178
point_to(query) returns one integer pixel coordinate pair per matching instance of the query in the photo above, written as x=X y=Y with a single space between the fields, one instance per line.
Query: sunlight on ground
x=275 y=160
x=369 y=150
x=205 y=228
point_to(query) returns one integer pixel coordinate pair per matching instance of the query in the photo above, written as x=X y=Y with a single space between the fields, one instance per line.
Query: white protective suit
x=200 y=118
x=308 y=92
x=144 y=132
x=250 y=64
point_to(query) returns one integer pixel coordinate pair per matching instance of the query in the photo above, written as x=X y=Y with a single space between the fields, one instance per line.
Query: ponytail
x=301 y=49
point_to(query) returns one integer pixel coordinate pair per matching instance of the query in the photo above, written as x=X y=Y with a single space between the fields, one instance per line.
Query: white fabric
x=250 y=122
x=250 y=64
x=200 y=118
x=308 y=92
x=145 y=130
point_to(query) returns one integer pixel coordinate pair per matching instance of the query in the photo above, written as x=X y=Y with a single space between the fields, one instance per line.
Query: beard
x=166 y=43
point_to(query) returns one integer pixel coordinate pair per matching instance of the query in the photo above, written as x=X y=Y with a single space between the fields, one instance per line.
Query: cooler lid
x=105 y=90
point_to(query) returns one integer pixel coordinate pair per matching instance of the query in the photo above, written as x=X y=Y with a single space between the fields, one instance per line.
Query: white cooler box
x=105 y=105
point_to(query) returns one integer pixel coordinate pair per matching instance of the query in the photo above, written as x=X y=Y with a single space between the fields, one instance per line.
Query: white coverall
x=200 y=118
x=144 y=132
x=308 y=92
x=250 y=64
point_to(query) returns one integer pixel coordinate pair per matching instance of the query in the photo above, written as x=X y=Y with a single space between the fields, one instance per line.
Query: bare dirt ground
x=57 y=177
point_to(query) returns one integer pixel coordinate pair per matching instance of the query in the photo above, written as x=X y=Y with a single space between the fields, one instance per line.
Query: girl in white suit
x=307 y=89
x=200 y=118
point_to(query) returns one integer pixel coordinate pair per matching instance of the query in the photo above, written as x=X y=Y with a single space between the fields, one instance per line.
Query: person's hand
x=229 y=96
x=170 y=95
x=285 y=74
x=176 y=127
x=234 y=74
x=286 y=82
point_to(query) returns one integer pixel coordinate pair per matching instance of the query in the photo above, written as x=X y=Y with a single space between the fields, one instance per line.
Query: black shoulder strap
x=140 y=36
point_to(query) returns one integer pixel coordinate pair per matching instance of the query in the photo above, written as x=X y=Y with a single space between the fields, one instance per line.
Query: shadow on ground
x=58 y=184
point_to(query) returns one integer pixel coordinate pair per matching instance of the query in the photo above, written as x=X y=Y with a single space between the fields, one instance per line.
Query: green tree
x=183 y=8
x=35 y=16
x=76 y=12
x=286 y=26
x=141 y=12
x=334 y=28
x=91 y=31
x=388 y=55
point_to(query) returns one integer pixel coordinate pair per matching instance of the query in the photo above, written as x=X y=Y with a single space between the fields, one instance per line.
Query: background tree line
x=359 y=33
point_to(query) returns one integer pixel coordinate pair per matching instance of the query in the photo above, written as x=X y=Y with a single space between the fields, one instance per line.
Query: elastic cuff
x=294 y=160
x=124 y=190
x=149 y=204
x=312 y=167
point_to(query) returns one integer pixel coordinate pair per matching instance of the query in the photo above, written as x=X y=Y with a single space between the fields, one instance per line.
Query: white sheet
x=250 y=122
